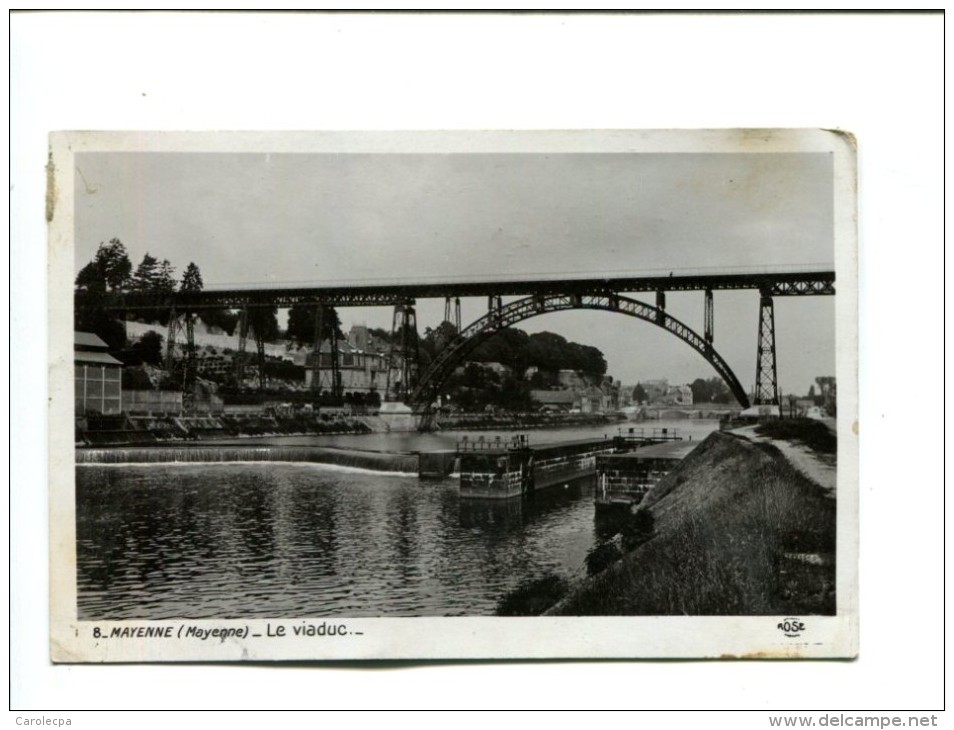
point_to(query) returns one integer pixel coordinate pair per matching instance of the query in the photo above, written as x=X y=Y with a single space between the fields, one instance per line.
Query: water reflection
x=496 y=514
x=245 y=540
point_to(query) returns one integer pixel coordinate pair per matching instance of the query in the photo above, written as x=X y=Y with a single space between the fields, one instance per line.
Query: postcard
x=453 y=395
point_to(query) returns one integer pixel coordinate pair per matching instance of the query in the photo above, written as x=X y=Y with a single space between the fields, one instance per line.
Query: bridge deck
x=784 y=283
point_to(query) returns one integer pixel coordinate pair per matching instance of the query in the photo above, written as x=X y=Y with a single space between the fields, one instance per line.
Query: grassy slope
x=727 y=522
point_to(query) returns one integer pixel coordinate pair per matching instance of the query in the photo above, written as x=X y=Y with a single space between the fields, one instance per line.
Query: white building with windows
x=98 y=376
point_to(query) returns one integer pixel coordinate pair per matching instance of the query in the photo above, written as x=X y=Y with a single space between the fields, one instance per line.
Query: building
x=555 y=400
x=498 y=368
x=678 y=395
x=592 y=400
x=98 y=376
x=655 y=390
x=362 y=362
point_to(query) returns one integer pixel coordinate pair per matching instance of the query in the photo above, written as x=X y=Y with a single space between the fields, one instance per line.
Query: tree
x=108 y=271
x=114 y=263
x=437 y=339
x=713 y=390
x=149 y=348
x=701 y=392
x=134 y=378
x=509 y=347
x=165 y=278
x=91 y=280
x=544 y=380
x=590 y=359
x=301 y=323
x=514 y=395
x=144 y=279
x=548 y=351
x=637 y=529
x=828 y=398
x=640 y=395
x=475 y=376
x=154 y=278
x=721 y=392
x=98 y=286
x=191 y=279
x=225 y=319
x=380 y=334
x=264 y=322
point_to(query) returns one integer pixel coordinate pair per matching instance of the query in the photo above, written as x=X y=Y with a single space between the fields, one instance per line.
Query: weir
x=375 y=460
x=489 y=468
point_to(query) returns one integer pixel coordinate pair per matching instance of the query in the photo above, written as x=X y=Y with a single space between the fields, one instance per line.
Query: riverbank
x=125 y=430
x=736 y=530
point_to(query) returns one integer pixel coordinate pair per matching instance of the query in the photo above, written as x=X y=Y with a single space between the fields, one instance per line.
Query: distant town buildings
x=655 y=389
x=585 y=398
x=363 y=359
x=678 y=395
x=362 y=364
x=555 y=400
x=660 y=392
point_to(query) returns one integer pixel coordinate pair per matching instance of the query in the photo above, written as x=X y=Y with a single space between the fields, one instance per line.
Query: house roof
x=88 y=339
x=96 y=358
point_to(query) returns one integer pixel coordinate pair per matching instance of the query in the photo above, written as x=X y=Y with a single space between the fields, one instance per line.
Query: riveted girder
x=766 y=377
x=709 y=317
x=404 y=355
x=452 y=311
x=188 y=363
x=359 y=294
x=239 y=361
x=326 y=371
x=457 y=350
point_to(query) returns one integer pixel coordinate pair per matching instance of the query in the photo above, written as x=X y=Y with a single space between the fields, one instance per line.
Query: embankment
x=376 y=460
x=736 y=531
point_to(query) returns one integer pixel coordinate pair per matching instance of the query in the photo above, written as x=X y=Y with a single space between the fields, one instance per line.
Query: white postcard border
x=448 y=638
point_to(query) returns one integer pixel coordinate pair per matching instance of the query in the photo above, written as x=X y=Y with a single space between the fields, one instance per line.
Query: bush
x=814 y=434
x=600 y=557
x=533 y=597
x=637 y=529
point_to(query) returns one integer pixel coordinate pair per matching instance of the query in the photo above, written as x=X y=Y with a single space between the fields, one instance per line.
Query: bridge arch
x=468 y=339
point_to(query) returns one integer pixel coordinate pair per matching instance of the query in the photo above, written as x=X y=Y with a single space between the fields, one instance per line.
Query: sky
x=272 y=219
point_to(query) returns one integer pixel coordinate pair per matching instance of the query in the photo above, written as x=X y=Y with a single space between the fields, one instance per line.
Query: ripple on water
x=238 y=541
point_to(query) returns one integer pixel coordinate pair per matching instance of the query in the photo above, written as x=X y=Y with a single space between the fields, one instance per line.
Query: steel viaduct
x=419 y=387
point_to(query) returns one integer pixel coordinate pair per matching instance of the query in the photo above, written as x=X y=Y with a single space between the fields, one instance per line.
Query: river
x=295 y=540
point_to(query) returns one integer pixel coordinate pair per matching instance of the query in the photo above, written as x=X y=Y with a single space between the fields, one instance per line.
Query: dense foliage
x=475 y=388
x=302 y=322
x=101 y=283
x=713 y=390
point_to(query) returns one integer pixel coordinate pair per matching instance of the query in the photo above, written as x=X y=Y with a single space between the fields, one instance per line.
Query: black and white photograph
x=548 y=360
x=319 y=381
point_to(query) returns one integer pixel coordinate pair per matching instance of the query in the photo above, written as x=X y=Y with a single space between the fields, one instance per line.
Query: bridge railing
x=480 y=443
x=655 y=434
